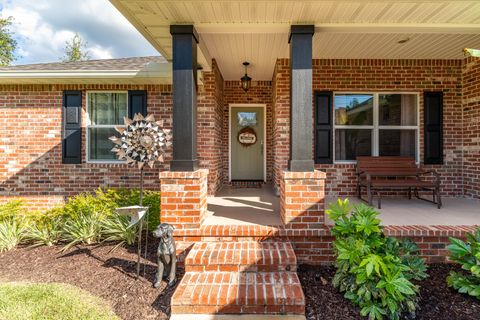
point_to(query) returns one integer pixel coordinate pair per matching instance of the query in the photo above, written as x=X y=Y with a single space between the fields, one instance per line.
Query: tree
x=8 y=44
x=75 y=49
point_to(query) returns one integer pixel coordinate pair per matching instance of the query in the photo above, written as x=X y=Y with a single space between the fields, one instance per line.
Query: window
x=105 y=112
x=376 y=124
x=246 y=119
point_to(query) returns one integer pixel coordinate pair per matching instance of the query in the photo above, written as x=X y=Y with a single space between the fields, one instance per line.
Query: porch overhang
x=257 y=31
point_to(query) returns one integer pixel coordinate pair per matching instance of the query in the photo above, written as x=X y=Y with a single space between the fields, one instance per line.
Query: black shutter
x=72 y=127
x=433 y=127
x=323 y=127
x=137 y=103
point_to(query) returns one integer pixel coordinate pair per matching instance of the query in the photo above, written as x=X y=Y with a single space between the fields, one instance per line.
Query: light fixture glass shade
x=246 y=82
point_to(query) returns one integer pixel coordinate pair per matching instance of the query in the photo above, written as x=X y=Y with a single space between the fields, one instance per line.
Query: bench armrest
x=433 y=172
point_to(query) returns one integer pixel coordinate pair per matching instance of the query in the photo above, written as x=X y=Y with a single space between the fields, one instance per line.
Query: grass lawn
x=45 y=301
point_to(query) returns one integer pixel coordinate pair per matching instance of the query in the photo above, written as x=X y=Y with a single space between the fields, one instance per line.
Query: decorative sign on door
x=247 y=137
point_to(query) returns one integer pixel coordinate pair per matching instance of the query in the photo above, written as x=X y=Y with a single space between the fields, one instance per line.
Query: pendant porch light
x=246 y=80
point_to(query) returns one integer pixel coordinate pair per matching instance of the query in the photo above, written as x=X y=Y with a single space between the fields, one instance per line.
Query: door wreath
x=247 y=137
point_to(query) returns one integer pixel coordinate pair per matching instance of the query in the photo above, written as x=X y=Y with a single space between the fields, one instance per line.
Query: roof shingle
x=133 y=63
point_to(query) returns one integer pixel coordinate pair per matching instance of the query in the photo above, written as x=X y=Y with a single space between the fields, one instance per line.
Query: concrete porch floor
x=244 y=206
x=260 y=206
x=400 y=211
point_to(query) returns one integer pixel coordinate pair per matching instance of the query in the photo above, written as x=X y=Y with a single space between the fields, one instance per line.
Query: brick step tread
x=236 y=292
x=241 y=256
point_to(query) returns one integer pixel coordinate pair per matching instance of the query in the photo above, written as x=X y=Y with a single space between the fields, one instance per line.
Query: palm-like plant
x=12 y=232
x=47 y=232
x=116 y=228
x=85 y=228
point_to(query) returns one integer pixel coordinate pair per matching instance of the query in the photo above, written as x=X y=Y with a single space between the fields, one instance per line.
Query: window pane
x=247 y=119
x=397 y=143
x=397 y=110
x=100 y=145
x=350 y=143
x=107 y=107
x=354 y=109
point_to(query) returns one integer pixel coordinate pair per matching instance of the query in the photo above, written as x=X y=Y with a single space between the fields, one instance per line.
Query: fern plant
x=468 y=255
x=374 y=271
x=12 y=232
x=116 y=228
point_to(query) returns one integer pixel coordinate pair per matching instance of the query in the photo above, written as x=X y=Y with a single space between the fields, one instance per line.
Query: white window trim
x=89 y=125
x=376 y=127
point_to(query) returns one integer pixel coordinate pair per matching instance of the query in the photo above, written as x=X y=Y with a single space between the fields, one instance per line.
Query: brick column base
x=183 y=198
x=302 y=196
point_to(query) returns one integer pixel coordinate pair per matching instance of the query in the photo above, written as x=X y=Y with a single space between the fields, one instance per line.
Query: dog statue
x=166 y=254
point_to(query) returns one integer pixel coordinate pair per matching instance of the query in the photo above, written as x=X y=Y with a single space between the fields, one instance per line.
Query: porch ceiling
x=257 y=31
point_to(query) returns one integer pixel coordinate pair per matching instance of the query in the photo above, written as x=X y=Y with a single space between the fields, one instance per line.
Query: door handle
x=261 y=147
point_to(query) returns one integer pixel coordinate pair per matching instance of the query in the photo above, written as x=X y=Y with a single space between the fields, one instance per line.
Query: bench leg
x=439 y=199
x=379 y=200
x=410 y=193
x=369 y=195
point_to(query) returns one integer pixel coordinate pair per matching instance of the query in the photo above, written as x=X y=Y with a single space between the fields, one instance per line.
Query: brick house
x=353 y=81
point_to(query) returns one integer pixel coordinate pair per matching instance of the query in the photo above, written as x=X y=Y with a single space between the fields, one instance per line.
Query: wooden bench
x=377 y=174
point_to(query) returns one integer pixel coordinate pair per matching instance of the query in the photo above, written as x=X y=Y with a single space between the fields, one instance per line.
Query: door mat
x=246 y=184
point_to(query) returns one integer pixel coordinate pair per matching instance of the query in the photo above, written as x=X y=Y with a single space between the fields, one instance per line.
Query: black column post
x=301 y=110
x=184 y=43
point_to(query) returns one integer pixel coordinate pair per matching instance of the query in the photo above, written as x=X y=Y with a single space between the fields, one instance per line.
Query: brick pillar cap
x=316 y=174
x=197 y=174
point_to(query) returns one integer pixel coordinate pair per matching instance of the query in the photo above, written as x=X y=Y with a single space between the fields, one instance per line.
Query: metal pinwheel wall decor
x=142 y=141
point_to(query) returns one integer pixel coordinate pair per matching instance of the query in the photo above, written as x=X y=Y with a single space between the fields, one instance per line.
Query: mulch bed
x=437 y=302
x=111 y=276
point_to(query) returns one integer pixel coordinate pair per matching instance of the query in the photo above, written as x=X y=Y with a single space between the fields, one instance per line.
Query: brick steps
x=251 y=280
x=236 y=292
x=241 y=257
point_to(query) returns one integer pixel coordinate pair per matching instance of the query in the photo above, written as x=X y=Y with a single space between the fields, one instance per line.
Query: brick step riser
x=240 y=268
x=234 y=309
x=232 y=292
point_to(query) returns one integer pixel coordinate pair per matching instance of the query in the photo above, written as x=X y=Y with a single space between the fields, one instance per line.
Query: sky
x=42 y=27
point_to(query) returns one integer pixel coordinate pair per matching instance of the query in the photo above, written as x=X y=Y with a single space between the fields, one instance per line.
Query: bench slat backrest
x=387 y=164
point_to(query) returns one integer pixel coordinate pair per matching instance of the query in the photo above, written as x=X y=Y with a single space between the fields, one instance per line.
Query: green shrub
x=86 y=204
x=130 y=197
x=12 y=208
x=116 y=228
x=86 y=218
x=374 y=271
x=468 y=255
x=12 y=232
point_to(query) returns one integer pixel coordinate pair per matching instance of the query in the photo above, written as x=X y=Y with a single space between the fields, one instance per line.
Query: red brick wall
x=315 y=246
x=30 y=145
x=471 y=126
x=281 y=119
x=259 y=93
x=210 y=130
x=373 y=76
